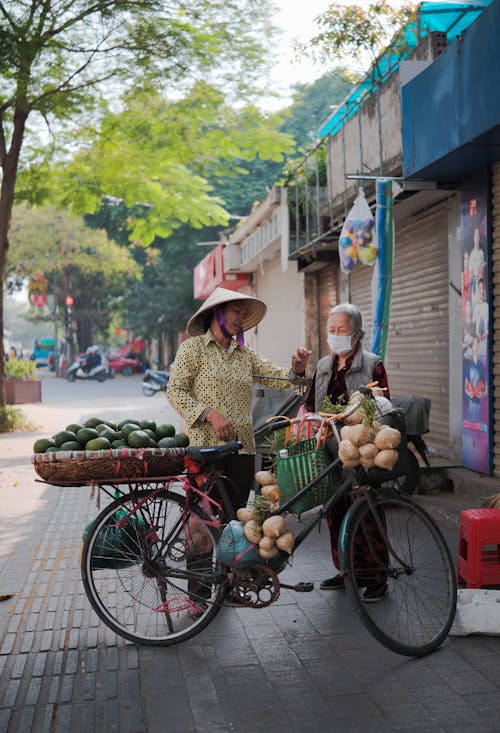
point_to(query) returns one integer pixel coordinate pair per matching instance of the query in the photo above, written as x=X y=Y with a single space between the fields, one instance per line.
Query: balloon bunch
x=357 y=238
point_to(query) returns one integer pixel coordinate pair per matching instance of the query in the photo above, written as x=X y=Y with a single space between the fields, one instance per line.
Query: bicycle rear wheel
x=149 y=568
x=416 y=614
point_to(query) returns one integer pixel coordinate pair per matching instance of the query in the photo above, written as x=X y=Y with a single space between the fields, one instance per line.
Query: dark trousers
x=240 y=470
x=366 y=566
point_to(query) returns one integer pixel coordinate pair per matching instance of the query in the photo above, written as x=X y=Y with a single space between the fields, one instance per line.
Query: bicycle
x=151 y=569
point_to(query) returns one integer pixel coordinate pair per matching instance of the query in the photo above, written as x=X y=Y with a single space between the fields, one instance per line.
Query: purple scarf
x=221 y=321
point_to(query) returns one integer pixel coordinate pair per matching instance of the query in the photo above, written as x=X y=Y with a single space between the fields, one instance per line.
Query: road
x=302 y=664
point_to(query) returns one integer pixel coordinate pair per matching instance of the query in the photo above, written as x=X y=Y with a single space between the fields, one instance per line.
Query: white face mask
x=339 y=344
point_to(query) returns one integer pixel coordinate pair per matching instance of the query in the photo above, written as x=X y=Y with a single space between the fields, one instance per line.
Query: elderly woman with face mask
x=338 y=375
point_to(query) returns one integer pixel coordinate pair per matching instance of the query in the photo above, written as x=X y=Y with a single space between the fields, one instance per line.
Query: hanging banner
x=476 y=323
x=382 y=276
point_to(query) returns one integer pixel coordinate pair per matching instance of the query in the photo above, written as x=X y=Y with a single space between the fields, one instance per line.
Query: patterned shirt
x=206 y=375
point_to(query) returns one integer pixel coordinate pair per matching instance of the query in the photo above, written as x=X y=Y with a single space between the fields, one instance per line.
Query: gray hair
x=354 y=314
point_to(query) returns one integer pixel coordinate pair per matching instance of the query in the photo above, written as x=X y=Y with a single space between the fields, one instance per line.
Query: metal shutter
x=417 y=359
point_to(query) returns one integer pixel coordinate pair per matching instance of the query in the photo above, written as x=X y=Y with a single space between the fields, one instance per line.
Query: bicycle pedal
x=299 y=587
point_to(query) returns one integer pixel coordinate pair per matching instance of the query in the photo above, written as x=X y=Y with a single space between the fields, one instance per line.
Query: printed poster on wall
x=476 y=341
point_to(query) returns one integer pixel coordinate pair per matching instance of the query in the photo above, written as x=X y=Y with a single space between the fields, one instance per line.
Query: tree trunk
x=9 y=162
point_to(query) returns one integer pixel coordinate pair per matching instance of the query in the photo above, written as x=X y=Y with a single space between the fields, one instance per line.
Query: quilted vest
x=359 y=374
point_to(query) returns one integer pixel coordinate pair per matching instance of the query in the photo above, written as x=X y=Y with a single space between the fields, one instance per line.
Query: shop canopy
x=449 y=18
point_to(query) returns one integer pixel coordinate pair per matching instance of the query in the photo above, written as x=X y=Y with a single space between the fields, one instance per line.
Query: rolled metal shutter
x=495 y=247
x=417 y=359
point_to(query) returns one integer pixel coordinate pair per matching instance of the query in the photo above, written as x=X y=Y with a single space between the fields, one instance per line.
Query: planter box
x=18 y=393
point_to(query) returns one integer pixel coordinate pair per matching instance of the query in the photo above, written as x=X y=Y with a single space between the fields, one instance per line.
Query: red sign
x=209 y=274
x=69 y=300
x=39 y=299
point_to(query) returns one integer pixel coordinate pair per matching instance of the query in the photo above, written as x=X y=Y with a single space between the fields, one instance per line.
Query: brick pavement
x=303 y=664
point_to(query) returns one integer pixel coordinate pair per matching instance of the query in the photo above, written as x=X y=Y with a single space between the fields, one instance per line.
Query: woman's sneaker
x=375 y=593
x=335 y=583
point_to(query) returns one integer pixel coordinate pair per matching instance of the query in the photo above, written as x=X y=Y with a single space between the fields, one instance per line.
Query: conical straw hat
x=256 y=309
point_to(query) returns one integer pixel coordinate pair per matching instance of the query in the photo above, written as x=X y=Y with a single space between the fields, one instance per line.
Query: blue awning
x=449 y=18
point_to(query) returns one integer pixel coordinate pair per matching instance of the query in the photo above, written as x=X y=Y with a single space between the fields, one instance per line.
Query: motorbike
x=154 y=381
x=82 y=368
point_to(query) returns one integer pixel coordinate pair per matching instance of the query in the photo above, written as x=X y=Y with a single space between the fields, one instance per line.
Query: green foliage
x=261 y=507
x=76 y=260
x=312 y=104
x=61 y=61
x=12 y=418
x=165 y=153
x=20 y=369
x=333 y=408
x=353 y=33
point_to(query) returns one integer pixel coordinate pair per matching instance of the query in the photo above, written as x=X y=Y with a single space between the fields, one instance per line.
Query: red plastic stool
x=479 y=548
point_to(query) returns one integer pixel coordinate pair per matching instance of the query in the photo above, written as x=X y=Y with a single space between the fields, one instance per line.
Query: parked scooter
x=92 y=365
x=154 y=381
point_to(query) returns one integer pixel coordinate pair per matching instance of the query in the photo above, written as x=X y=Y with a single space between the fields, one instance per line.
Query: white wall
x=283 y=328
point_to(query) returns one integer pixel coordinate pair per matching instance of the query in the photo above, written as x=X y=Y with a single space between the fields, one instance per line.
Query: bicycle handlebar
x=285 y=422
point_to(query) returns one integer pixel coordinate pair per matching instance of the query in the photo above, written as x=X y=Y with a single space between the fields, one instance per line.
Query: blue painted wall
x=451 y=110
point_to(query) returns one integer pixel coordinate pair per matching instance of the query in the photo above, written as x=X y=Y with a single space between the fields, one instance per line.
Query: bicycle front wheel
x=149 y=568
x=399 y=574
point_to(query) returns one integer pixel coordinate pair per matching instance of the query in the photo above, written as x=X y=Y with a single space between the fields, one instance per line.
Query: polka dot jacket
x=205 y=374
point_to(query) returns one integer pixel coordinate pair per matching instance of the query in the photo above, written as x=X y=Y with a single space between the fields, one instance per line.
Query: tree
x=168 y=154
x=60 y=58
x=76 y=261
x=358 y=36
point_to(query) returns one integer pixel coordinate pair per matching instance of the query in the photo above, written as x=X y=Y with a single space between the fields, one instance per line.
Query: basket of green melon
x=100 y=449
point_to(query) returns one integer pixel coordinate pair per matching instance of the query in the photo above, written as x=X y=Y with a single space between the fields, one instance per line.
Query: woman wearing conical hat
x=211 y=380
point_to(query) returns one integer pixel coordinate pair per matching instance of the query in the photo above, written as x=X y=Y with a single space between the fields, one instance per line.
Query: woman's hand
x=221 y=425
x=299 y=360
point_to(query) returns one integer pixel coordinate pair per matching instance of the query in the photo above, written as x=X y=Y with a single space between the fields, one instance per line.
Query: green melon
x=128 y=428
x=63 y=437
x=166 y=443
x=98 y=444
x=91 y=422
x=72 y=445
x=165 y=430
x=148 y=425
x=43 y=444
x=85 y=434
x=118 y=443
x=74 y=427
x=139 y=439
x=181 y=440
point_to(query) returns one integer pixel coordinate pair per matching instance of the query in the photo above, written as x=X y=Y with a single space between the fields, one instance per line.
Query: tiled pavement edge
x=302 y=664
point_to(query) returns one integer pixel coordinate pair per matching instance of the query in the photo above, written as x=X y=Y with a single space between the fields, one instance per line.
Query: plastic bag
x=358 y=237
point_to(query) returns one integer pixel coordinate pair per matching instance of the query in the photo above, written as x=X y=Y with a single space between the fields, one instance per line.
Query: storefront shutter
x=417 y=359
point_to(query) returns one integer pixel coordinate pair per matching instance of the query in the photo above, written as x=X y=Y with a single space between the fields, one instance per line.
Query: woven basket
x=303 y=463
x=71 y=467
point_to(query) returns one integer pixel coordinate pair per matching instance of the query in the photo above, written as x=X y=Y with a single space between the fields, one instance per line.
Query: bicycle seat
x=212 y=454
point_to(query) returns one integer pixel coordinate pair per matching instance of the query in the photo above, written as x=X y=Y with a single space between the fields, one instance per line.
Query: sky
x=296 y=19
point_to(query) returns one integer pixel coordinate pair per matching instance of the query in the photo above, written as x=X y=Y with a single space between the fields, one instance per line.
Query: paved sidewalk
x=302 y=664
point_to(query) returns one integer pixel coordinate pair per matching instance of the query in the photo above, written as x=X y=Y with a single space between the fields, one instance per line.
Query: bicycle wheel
x=416 y=614
x=150 y=573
